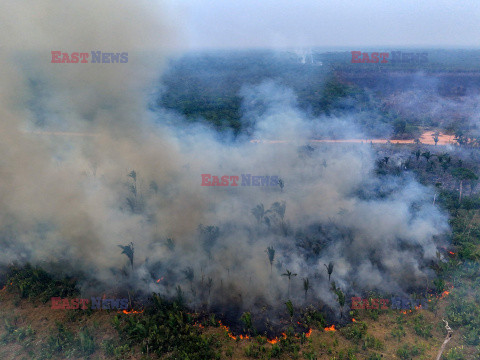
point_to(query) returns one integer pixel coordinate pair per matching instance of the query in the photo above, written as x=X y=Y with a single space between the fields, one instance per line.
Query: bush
x=314 y=318
x=372 y=343
x=35 y=283
x=109 y=346
x=355 y=331
x=421 y=328
x=60 y=342
x=86 y=342
x=166 y=327
x=22 y=335
x=398 y=332
x=407 y=353
x=255 y=351
x=455 y=353
x=311 y=355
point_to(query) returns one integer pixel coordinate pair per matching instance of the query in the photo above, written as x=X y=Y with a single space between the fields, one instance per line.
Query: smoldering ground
x=134 y=176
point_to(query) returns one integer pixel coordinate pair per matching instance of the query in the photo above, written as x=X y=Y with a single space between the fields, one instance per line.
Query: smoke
x=445 y=102
x=129 y=178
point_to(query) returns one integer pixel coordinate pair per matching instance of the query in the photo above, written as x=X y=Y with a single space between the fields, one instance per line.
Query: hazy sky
x=345 y=23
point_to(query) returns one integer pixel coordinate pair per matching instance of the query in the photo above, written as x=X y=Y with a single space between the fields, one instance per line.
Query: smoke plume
x=86 y=166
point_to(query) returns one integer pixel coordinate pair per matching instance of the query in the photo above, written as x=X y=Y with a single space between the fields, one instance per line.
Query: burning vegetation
x=120 y=209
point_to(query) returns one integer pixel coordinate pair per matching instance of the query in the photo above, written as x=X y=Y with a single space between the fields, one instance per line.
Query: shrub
x=355 y=331
x=35 y=283
x=372 y=343
x=165 y=327
x=407 y=353
x=22 y=335
x=421 y=328
x=398 y=332
x=255 y=351
x=455 y=353
x=86 y=342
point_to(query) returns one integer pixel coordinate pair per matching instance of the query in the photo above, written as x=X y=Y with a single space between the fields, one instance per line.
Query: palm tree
x=290 y=309
x=133 y=175
x=247 y=321
x=427 y=155
x=278 y=208
x=209 y=285
x=443 y=158
x=132 y=202
x=306 y=286
x=417 y=154
x=179 y=298
x=128 y=250
x=259 y=212
x=189 y=274
x=170 y=243
x=289 y=274
x=460 y=137
x=271 y=256
x=438 y=187
x=329 y=269
x=340 y=296
x=210 y=235
x=463 y=174
x=445 y=165
x=435 y=137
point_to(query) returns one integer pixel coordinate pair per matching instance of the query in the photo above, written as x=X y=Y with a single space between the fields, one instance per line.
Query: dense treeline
x=397 y=100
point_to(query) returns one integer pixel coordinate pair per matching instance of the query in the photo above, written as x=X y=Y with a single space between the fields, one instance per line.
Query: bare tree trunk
x=461 y=187
x=447 y=339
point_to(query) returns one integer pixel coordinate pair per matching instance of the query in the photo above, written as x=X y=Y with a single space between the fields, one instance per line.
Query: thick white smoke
x=69 y=199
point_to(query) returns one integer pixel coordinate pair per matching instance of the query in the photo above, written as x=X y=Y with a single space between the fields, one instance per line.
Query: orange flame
x=241 y=337
x=354 y=320
x=160 y=279
x=330 y=328
x=451 y=253
x=132 y=312
x=246 y=337
x=276 y=340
